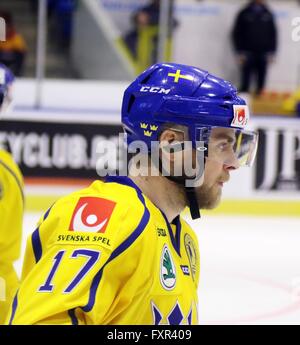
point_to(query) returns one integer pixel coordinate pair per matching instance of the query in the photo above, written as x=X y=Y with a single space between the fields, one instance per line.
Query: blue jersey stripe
x=175 y=240
x=47 y=213
x=178 y=233
x=36 y=240
x=123 y=180
x=122 y=247
x=73 y=317
x=36 y=245
x=93 y=290
x=128 y=182
x=14 y=308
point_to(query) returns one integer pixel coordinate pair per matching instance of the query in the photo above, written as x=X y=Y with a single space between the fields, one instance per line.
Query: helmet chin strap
x=192 y=198
x=189 y=191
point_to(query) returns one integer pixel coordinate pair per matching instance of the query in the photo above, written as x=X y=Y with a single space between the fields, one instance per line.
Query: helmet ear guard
x=171 y=96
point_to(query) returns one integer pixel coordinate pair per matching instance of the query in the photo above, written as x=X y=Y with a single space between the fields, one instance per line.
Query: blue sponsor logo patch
x=185 y=269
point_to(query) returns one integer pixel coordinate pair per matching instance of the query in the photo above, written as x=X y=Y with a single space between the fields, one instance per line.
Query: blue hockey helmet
x=185 y=95
x=6 y=80
x=207 y=106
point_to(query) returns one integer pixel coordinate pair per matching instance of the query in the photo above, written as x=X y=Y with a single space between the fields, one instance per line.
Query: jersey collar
x=125 y=180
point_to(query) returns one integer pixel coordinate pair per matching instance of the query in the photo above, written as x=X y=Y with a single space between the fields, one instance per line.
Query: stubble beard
x=208 y=197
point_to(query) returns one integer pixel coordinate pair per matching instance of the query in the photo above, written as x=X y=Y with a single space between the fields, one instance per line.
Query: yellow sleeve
x=66 y=255
x=11 y=216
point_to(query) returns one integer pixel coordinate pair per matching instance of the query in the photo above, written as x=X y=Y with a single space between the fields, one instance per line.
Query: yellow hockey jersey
x=11 y=216
x=107 y=255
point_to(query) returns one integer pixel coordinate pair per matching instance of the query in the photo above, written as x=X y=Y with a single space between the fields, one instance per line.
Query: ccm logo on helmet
x=155 y=89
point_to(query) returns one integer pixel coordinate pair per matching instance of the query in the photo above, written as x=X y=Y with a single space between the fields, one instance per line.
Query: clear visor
x=231 y=147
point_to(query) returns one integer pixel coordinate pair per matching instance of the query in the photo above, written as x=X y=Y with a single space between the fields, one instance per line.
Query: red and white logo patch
x=91 y=214
x=241 y=116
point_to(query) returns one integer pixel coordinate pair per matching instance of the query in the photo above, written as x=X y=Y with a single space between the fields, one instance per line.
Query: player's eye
x=223 y=146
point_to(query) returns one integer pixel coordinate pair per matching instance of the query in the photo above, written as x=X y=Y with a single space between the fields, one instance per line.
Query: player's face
x=216 y=171
x=209 y=193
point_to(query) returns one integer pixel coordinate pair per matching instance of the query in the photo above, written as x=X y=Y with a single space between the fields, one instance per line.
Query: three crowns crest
x=145 y=126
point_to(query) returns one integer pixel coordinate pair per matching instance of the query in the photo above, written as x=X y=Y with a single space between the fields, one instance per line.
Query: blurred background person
x=143 y=38
x=11 y=209
x=139 y=20
x=255 y=42
x=13 y=50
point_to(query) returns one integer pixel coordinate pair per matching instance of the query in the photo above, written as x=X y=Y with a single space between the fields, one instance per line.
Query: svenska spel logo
x=91 y=214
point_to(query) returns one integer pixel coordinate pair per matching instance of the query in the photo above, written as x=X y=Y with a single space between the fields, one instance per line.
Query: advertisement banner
x=278 y=159
x=48 y=149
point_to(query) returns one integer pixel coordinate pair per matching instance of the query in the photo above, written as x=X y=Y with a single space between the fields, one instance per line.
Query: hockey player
x=118 y=252
x=11 y=209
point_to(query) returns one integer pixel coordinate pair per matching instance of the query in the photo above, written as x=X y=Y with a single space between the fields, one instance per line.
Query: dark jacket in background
x=254 y=30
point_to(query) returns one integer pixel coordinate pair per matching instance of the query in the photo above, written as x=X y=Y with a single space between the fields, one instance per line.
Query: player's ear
x=168 y=137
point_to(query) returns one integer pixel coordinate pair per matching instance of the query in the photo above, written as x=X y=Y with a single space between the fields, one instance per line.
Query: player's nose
x=232 y=163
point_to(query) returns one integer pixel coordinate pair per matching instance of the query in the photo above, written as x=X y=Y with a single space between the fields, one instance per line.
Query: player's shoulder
x=106 y=196
x=8 y=165
x=104 y=212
